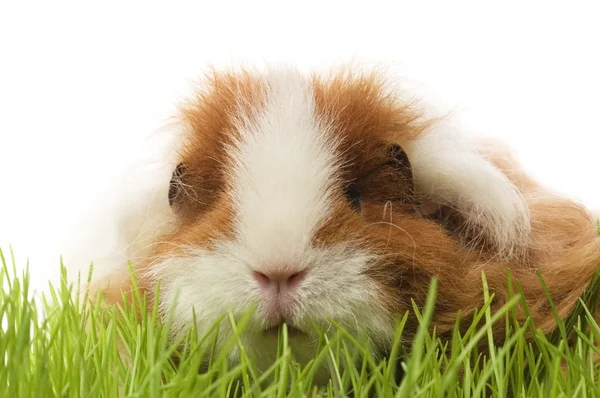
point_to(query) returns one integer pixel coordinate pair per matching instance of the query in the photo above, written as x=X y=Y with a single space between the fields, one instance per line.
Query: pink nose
x=280 y=281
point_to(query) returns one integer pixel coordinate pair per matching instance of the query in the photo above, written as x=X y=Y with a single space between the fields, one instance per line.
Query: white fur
x=281 y=184
x=449 y=170
x=136 y=211
x=284 y=169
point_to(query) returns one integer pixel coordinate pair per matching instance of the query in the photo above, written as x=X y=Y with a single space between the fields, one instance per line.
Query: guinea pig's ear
x=175 y=184
x=451 y=174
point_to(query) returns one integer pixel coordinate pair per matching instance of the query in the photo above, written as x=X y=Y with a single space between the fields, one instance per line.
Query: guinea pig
x=322 y=197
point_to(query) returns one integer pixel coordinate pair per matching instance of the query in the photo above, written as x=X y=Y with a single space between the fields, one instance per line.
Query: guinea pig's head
x=293 y=193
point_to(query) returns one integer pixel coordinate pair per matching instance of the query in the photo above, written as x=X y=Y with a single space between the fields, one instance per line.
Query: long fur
x=268 y=158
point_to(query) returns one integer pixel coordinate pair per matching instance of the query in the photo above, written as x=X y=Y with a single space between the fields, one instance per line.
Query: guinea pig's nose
x=280 y=280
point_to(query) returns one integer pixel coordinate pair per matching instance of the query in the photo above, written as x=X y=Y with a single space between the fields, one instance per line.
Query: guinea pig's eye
x=399 y=157
x=401 y=163
x=175 y=184
x=353 y=196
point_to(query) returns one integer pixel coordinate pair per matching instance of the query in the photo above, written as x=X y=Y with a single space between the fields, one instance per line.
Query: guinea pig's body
x=322 y=198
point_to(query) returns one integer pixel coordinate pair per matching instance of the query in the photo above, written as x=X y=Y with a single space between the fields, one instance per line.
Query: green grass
x=56 y=355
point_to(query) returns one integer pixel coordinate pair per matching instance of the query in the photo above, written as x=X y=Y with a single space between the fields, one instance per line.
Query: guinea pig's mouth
x=291 y=331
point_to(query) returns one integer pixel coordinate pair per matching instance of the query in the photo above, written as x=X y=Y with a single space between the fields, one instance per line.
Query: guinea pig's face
x=292 y=193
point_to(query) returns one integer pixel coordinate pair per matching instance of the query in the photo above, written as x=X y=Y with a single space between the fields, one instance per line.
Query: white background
x=82 y=85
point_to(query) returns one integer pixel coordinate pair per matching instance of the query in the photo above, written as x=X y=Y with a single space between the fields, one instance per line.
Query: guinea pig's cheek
x=205 y=283
x=337 y=288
